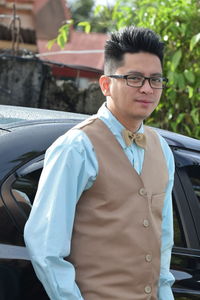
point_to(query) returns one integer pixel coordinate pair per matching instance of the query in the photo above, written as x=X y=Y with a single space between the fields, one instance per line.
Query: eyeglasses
x=156 y=82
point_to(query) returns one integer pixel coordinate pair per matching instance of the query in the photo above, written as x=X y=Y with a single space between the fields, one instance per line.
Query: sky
x=104 y=2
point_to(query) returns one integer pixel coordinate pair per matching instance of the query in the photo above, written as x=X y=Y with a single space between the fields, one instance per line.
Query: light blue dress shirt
x=70 y=167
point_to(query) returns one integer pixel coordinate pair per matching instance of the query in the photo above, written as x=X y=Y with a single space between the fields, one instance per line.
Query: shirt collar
x=113 y=124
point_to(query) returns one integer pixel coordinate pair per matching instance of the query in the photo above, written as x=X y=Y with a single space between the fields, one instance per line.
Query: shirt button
x=147 y=289
x=146 y=223
x=148 y=257
x=142 y=192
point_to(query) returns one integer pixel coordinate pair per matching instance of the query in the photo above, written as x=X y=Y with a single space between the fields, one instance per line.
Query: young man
x=101 y=224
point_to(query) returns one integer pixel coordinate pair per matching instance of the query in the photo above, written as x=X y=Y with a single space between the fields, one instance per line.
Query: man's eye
x=135 y=78
x=156 y=79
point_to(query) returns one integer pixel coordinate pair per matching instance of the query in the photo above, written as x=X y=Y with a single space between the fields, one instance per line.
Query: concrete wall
x=29 y=82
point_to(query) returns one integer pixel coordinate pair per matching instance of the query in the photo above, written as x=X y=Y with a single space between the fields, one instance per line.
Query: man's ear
x=104 y=82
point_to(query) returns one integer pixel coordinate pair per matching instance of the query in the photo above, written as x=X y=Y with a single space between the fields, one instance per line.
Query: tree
x=81 y=12
x=87 y=15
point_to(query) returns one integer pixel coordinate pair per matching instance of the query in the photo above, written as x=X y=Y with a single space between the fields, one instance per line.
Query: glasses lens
x=157 y=82
x=135 y=81
x=138 y=81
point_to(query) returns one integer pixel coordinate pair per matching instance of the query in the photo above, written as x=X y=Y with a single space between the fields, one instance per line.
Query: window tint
x=18 y=193
x=8 y=231
x=187 y=193
x=179 y=238
x=11 y=215
x=24 y=187
x=194 y=176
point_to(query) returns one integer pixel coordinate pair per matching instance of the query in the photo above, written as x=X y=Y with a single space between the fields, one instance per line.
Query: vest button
x=148 y=257
x=147 y=289
x=142 y=192
x=146 y=223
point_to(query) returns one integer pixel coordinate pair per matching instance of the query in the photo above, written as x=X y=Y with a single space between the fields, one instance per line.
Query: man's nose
x=146 y=87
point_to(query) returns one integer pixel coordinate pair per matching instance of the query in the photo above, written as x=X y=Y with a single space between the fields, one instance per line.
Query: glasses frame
x=164 y=79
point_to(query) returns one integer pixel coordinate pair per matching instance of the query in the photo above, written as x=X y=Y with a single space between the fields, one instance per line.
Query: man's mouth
x=145 y=101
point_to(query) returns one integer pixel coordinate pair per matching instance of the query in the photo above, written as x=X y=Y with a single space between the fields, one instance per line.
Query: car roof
x=18 y=114
x=17 y=117
x=178 y=140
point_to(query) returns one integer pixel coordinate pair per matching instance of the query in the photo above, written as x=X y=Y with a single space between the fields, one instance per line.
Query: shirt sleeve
x=166 y=278
x=70 y=167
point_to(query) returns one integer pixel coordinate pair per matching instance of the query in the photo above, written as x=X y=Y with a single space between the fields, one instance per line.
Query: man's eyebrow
x=134 y=72
x=142 y=74
x=156 y=74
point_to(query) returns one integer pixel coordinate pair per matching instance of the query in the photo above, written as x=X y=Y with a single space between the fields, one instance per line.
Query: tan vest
x=117 y=231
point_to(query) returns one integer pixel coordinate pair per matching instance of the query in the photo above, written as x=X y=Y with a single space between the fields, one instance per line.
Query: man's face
x=131 y=105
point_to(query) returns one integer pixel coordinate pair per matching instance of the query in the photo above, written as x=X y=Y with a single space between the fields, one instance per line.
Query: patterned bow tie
x=138 y=138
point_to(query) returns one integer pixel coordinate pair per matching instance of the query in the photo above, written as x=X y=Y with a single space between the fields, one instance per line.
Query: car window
x=188 y=194
x=25 y=183
x=8 y=231
x=24 y=187
x=193 y=172
x=179 y=238
x=18 y=193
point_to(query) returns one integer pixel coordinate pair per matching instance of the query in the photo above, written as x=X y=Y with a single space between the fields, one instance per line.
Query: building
x=30 y=24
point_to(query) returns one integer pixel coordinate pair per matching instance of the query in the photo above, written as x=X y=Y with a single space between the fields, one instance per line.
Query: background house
x=24 y=25
x=35 y=23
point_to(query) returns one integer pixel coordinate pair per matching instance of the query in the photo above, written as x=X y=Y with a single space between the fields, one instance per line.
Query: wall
x=29 y=82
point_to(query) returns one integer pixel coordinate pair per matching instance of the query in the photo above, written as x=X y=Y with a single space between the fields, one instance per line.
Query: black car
x=25 y=134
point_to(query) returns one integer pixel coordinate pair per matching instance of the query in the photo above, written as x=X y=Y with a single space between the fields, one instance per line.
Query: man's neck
x=132 y=125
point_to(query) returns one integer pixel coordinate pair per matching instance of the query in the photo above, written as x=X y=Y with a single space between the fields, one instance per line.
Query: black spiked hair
x=131 y=40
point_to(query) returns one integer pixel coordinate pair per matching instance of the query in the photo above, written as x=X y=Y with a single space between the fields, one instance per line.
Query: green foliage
x=86 y=25
x=112 y=17
x=81 y=12
x=62 y=36
x=194 y=40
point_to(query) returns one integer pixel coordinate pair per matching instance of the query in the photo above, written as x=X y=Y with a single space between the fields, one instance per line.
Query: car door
x=17 y=277
x=185 y=262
